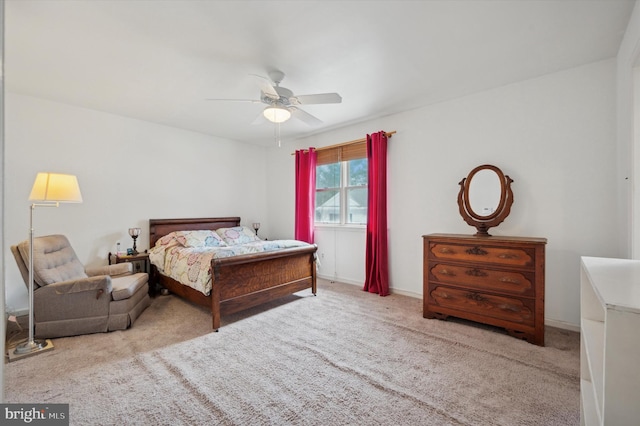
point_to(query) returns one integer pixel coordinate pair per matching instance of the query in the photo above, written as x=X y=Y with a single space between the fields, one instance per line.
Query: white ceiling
x=159 y=60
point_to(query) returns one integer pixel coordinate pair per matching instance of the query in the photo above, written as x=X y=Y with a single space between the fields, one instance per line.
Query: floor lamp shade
x=49 y=190
x=56 y=187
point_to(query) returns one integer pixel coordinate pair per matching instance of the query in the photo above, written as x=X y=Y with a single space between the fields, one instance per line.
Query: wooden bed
x=239 y=282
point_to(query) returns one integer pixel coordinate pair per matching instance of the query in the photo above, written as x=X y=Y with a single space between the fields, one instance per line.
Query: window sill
x=350 y=226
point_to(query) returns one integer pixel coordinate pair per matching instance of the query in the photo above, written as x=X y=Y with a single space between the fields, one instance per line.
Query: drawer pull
x=441 y=294
x=475 y=272
x=475 y=296
x=509 y=280
x=477 y=251
x=512 y=308
x=508 y=256
x=446 y=272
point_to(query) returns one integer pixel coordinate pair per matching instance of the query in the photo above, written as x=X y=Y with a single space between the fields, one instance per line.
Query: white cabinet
x=610 y=341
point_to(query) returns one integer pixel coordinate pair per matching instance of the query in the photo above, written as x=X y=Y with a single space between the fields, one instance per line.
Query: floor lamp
x=49 y=190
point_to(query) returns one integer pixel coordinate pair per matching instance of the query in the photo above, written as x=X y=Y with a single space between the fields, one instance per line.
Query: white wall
x=2 y=181
x=129 y=171
x=554 y=136
x=341 y=253
x=628 y=118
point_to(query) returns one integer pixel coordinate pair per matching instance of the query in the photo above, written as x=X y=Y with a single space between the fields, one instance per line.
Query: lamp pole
x=32 y=345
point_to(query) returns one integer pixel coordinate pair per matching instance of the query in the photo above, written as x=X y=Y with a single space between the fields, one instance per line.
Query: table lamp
x=134 y=233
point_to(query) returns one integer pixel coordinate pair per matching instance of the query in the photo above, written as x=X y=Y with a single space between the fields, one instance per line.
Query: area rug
x=343 y=357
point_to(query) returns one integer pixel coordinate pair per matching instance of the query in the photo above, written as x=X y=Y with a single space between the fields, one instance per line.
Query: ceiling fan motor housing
x=284 y=94
x=276 y=76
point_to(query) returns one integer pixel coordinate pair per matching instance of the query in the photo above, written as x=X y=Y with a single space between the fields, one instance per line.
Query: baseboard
x=405 y=293
x=562 y=325
x=548 y=322
x=339 y=280
x=361 y=284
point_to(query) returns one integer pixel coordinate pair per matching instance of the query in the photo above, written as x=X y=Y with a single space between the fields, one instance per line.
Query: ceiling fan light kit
x=276 y=114
x=282 y=103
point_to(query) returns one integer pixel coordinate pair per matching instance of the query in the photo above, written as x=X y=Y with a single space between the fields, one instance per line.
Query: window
x=341 y=185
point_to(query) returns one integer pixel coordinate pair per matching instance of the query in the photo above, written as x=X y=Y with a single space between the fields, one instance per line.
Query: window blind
x=346 y=152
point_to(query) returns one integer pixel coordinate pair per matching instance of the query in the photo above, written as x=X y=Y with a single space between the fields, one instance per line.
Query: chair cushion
x=125 y=286
x=53 y=260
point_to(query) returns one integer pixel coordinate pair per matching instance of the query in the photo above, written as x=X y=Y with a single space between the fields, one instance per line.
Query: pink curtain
x=377 y=258
x=305 y=194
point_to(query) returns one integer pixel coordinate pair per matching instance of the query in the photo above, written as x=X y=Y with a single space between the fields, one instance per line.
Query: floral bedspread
x=186 y=255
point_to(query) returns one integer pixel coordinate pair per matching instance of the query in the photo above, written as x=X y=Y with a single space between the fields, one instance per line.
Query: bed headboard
x=158 y=228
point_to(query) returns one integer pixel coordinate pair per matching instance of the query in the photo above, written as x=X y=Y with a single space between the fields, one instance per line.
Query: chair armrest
x=111 y=270
x=74 y=299
x=100 y=282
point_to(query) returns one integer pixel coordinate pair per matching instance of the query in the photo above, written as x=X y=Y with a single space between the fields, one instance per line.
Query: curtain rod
x=389 y=134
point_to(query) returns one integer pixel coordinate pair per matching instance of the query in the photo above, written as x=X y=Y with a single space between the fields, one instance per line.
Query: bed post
x=215 y=304
x=313 y=272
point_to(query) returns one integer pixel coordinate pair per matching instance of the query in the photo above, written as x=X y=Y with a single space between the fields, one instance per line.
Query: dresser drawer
x=513 y=310
x=518 y=283
x=508 y=256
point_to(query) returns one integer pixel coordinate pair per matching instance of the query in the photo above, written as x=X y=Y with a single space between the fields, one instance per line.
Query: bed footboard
x=245 y=281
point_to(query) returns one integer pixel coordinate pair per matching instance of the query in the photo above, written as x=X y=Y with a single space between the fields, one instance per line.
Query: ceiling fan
x=282 y=104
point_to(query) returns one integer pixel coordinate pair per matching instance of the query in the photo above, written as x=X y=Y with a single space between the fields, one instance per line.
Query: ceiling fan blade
x=267 y=87
x=260 y=119
x=319 y=98
x=253 y=101
x=304 y=116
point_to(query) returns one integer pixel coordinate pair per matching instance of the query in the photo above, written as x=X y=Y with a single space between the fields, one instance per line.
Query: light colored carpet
x=345 y=357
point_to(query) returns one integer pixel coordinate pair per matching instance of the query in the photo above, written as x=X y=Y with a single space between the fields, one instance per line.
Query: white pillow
x=237 y=235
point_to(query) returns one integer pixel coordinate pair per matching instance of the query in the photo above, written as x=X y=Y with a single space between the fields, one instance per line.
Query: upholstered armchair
x=69 y=300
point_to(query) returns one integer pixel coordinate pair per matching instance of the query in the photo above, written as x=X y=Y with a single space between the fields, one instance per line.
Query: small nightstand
x=140 y=261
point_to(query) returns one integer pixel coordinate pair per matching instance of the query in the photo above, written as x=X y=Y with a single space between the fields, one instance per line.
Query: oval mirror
x=485 y=192
x=485 y=198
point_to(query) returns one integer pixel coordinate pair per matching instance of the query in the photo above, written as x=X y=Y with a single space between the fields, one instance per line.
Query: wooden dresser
x=487 y=279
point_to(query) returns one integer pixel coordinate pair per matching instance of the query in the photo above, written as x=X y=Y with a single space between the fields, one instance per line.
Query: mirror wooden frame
x=483 y=223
